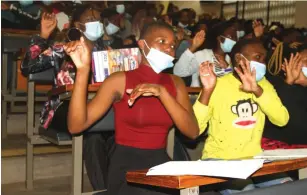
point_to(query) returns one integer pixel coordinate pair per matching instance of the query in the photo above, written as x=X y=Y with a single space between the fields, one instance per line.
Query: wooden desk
x=65 y=93
x=191 y=183
x=18 y=32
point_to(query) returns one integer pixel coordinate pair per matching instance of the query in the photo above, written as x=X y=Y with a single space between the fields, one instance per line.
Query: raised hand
x=258 y=28
x=207 y=75
x=143 y=90
x=48 y=24
x=292 y=68
x=80 y=53
x=198 y=40
x=248 y=77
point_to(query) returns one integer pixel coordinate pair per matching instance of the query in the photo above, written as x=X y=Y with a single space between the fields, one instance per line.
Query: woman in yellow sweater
x=235 y=106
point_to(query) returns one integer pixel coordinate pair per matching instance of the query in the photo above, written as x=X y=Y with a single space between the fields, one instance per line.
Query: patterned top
x=43 y=55
x=188 y=65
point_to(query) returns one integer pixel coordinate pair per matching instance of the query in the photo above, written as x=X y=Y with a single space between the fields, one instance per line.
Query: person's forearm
x=205 y=96
x=184 y=121
x=77 y=113
x=258 y=92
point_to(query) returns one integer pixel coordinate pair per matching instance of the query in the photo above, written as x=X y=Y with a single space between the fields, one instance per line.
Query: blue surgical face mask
x=158 y=60
x=240 y=34
x=25 y=3
x=112 y=29
x=304 y=69
x=93 y=30
x=227 y=45
x=259 y=67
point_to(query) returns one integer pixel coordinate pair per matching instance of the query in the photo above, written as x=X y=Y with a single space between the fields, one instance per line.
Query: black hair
x=302 y=48
x=108 y=12
x=148 y=28
x=215 y=31
x=240 y=46
x=248 y=27
x=197 y=26
x=78 y=11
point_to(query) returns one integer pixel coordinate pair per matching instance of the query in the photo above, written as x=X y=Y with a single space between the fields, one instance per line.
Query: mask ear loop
x=146 y=46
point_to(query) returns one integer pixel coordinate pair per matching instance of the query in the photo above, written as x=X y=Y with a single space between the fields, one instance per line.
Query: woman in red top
x=146 y=102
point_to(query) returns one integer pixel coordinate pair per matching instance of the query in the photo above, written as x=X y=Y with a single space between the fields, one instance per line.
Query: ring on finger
x=205 y=75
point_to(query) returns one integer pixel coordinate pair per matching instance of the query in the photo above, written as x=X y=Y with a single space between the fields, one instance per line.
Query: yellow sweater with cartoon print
x=236 y=119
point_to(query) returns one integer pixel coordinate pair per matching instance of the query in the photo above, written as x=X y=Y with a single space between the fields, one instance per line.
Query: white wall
x=300 y=14
x=213 y=8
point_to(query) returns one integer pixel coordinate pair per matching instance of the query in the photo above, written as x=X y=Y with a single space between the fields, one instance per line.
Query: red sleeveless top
x=146 y=124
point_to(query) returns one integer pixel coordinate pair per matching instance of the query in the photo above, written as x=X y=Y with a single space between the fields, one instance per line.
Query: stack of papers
x=282 y=154
x=240 y=169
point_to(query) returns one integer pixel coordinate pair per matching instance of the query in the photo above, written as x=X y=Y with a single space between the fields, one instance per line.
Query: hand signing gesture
x=80 y=53
x=48 y=24
x=292 y=68
x=248 y=77
x=258 y=28
x=198 y=40
x=207 y=75
x=143 y=90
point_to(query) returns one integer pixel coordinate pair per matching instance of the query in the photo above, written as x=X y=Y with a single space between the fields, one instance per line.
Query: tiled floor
x=55 y=186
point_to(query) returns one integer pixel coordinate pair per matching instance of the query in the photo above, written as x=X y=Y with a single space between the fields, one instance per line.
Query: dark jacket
x=294 y=98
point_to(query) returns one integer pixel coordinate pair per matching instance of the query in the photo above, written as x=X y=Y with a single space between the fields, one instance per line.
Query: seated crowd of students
x=253 y=80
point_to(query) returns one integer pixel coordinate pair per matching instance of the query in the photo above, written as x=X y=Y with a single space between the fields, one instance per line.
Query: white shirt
x=188 y=64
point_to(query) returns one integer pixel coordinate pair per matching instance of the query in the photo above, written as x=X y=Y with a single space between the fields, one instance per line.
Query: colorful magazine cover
x=106 y=62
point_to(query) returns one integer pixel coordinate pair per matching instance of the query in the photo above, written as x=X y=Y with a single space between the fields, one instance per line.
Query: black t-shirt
x=294 y=98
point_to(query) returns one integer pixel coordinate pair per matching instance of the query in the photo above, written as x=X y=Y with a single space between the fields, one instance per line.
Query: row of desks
x=186 y=183
x=10 y=37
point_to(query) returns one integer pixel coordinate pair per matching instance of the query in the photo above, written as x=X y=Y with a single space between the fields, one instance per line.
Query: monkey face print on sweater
x=245 y=110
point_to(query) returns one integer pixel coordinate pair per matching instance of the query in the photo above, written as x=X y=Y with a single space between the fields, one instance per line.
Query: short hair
x=214 y=31
x=78 y=11
x=148 y=28
x=240 y=46
x=108 y=13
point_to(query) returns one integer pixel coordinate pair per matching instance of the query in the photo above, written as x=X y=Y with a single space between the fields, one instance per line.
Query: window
x=283 y=12
x=269 y=11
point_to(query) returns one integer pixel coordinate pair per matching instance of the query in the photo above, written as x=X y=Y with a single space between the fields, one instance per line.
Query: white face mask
x=182 y=25
x=304 y=69
x=240 y=33
x=93 y=30
x=112 y=29
x=25 y=3
x=259 y=67
x=120 y=9
x=227 y=45
x=158 y=60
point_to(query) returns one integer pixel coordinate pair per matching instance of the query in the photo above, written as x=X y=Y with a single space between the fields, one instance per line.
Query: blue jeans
x=256 y=183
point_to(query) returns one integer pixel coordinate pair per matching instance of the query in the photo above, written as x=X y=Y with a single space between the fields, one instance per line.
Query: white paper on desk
x=241 y=169
x=282 y=154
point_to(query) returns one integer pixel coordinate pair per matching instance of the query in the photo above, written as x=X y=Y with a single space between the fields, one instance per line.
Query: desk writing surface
x=186 y=181
x=18 y=32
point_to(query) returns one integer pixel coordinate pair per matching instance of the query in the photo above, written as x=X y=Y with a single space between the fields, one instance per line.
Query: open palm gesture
x=207 y=75
x=247 y=76
x=48 y=24
x=292 y=68
x=80 y=53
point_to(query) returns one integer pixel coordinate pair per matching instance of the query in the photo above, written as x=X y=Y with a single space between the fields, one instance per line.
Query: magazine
x=104 y=63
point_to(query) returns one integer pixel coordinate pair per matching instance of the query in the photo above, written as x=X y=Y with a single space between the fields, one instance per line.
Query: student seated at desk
x=290 y=82
x=146 y=102
x=235 y=106
x=45 y=53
